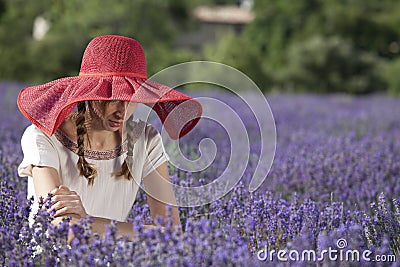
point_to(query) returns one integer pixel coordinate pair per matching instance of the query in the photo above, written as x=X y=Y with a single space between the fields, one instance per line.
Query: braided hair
x=129 y=157
x=85 y=169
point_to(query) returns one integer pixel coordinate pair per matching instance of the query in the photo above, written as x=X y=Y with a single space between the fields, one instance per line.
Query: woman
x=76 y=149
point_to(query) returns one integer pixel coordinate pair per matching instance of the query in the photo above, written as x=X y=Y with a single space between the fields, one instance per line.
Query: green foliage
x=370 y=25
x=74 y=23
x=2 y=7
x=390 y=73
x=15 y=34
x=355 y=36
x=277 y=24
x=330 y=64
x=238 y=52
x=303 y=45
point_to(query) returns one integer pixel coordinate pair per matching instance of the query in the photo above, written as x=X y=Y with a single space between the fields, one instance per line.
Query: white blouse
x=110 y=196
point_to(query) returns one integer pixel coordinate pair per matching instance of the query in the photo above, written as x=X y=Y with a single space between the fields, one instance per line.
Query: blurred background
x=319 y=46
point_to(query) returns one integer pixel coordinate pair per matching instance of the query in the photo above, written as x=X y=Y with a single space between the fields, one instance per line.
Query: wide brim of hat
x=47 y=105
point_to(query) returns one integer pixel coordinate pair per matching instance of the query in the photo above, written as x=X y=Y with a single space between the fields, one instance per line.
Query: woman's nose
x=121 y=107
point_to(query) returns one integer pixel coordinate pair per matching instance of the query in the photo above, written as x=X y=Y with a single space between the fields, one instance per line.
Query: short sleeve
x=38 y=150
x=155 y=154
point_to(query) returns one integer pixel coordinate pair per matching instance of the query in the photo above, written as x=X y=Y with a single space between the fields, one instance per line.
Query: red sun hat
x=113 y=68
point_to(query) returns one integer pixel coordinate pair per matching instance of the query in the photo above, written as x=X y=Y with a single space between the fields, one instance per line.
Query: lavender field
x=336 y=175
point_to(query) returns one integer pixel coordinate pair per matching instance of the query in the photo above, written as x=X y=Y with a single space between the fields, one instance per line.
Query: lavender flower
x=335 y=175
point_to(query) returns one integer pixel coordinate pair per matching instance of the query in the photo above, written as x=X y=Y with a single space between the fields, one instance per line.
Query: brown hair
x=128 y=160
x=89 y=170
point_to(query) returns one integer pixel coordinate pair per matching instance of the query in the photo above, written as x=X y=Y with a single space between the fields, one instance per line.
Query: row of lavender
x=335 y=176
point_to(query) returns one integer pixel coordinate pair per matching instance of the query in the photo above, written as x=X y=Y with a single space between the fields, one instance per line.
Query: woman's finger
x=63 y=208
x=62 y=204
x=59 y=190
x=58 y=198
x=73 y=202
x=70 y=211
x=64 y=192
x=73 y=205
x=64 y=211
x=63 y=187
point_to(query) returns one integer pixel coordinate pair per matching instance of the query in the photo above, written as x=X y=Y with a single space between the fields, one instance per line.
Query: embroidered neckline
x=92 y=154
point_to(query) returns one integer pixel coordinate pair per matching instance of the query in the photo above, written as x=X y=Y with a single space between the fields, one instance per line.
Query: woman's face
x=112 y=114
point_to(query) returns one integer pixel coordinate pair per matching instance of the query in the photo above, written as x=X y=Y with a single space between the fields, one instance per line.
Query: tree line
x=350 y=46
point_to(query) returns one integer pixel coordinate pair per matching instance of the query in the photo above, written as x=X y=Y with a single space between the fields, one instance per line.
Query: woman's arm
x=159 y=194
x=67 y=203
x=45 y=179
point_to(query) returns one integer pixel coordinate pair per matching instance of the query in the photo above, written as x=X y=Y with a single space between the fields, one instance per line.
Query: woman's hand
x=67 y=203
